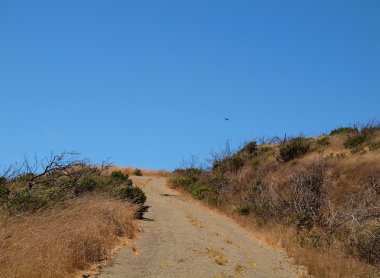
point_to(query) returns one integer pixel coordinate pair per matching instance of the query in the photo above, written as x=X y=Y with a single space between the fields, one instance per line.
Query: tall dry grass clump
x=59 y=241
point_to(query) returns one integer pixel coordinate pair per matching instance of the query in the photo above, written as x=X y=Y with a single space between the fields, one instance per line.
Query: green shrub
x=355 y=141
x=293 y=148
x=255 y=161
x=141 y=210
x=265 y=149
x=182 y=181
x=251 y=147
x=119 y=176
x=3 y=180
x=232 y=164
x=243 y=209
x=132 y=193
x=261 y=151
x=87 y=183
x=235 y=163
x=4 y=191
x=26 y=201
x=343 y=130
x=138 y=172
x=128 y=182
x=200 y=190
x=324 y=141
x=374 y=146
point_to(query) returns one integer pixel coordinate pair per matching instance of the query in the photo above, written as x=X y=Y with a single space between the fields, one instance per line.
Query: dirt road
x=181 y=239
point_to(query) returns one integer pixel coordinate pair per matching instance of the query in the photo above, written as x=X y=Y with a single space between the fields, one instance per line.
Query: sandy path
x=180 y=239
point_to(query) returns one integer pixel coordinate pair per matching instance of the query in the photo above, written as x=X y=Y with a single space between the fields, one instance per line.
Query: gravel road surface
x=181 y=239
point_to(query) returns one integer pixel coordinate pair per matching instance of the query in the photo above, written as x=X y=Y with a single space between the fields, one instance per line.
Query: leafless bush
x=303 y=194
x=191 y=163
x=366 y=245
x=357 y=221
x=225 y=161
x=263 y=200
x=218 y=157
x=53 y=168
x=298 y=200
x=370 y=128
x=219 y=184
x=62 y=170
x=361 y=207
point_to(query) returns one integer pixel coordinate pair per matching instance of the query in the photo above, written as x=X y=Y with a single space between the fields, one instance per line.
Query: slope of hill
x=64 y=216
x=317 y=197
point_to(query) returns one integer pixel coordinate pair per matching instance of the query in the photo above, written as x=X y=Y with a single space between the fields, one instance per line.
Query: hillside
x=319 y=198
x=60 y=216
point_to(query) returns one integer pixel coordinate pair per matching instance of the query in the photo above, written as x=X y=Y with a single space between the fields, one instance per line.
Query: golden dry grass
x=131 y=170
x=216 y=256
x=60 y=241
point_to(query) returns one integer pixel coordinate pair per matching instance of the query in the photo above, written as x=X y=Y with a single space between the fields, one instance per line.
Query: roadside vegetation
x=142 y=172
x=62 y=215
x=319 y=198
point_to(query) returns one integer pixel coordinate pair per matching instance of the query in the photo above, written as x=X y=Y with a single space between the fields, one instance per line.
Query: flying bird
x=227 y=119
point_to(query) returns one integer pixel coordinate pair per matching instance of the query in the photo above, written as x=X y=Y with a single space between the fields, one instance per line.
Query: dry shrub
x=294 y=196
x=302 y=196
x=59 y=241
x=293 y=148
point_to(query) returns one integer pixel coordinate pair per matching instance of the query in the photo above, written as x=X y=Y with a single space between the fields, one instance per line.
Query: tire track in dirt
x=181 y=239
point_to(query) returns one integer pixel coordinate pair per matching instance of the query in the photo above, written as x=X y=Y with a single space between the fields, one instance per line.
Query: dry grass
x=239 y=270
x=60 y=241
x=232 y=242
x=149 y=173
x=320 y=262
x=197 y=223
x=216 y=255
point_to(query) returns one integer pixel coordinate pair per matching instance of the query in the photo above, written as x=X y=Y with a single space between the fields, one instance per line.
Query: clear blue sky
x=149 y=83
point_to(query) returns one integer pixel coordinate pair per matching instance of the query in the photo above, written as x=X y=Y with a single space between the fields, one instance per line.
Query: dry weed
x=217 y=256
